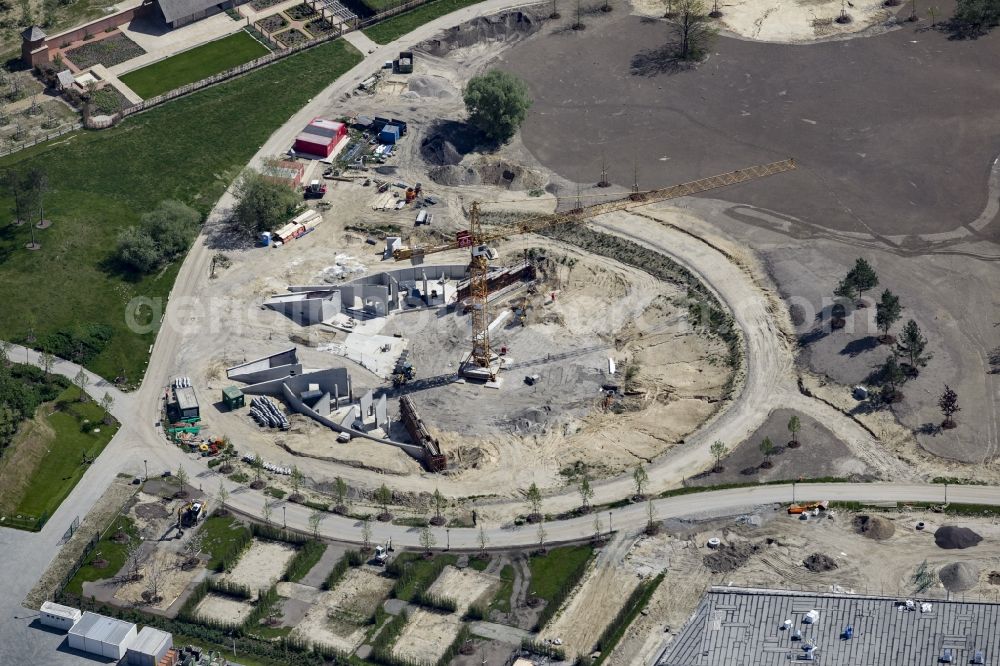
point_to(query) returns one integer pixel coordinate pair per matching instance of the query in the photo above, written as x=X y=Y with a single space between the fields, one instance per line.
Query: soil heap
x=874 y=527
x=731 y=557
x=818 y=562
x=959 y=576
x=951 y=537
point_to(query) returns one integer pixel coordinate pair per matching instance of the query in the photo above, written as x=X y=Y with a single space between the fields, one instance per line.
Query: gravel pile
x=874 y=527
x=951 y=537
x=506 y=27
x=818 y=562
x=959 y=576
x=430 y=86
x=731 y=556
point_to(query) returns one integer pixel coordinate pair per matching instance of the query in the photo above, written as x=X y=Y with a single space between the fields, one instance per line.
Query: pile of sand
x=874 y=527
x=731 y=557
x=819 y=562
x=951 y=537
x=959 y=576
x=429 y=86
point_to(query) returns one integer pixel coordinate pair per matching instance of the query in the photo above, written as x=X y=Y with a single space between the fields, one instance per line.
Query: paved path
x=499 y=632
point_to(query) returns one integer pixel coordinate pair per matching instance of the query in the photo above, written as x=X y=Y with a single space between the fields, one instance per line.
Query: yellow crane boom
x=480 y=362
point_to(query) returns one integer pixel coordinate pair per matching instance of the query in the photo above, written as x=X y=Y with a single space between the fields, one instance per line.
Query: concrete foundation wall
x=307 y=311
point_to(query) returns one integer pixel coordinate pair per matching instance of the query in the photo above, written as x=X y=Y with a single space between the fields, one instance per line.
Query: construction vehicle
x=381 y=555
x=189 y=514
x=404 y=64
x=808 y=507
x=316 y=189
x=482 y=363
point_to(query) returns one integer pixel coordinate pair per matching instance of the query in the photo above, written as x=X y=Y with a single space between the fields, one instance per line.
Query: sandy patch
x=426 y=636
x=172 y=580
x=223 y=609
x=465 y=586
x=262 y=565
x=337 y=617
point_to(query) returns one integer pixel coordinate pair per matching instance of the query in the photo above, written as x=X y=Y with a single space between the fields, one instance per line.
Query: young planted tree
x=767 y=448
x=640 y=477
x=541 y=536
x=258 y=472
x=887 y=312
x=107 y=402
x=692 y=30
x=597 y=527
x=794 y=426
x=891 y=376
x=82 y=381
x=133 y=560
x=39 y=181
x=847 y=289
x=948 y=402
x=182 y=475
x=366 y=534
x=427 y=540
x=223 y=495
x=718 y=450
x=864 y=277
x=438 y=499
x=47 y=362
x=315 y=518
x=911 y=345
x=534 y=497
x=154 y=579
x=383 y=496
x=586 y=492
x=652 y=525
x=267 y=512
x=297 y=477
x=340 y=491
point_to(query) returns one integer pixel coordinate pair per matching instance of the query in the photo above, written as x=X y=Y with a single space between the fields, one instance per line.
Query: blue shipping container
x=389 y=134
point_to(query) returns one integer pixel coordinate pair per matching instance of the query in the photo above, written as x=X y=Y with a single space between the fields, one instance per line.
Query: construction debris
x=731 y=556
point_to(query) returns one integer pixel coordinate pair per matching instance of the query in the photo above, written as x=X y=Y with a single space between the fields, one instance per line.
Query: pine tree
x=767 y=448
x=948 y=402
x=794 y=425
x=911 y=345
x=887 y=312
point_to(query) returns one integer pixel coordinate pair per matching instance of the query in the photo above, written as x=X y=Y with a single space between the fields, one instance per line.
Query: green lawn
x=221 y=537
x=106 y=549
x=397 y=26
x=61 y=468
x=501 y=600
x=101 y=182
x=550 y=571
x=419 y=573
x=194 y=65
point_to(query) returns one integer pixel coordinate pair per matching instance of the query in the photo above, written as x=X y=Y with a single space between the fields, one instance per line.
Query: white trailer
x=58 y=616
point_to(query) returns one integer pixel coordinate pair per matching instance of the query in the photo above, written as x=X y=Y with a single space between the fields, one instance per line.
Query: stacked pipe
x=276 y=469
x=182 y=382
x=266 y=413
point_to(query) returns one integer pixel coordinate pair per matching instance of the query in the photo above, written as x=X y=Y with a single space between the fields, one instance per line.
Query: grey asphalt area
x=895 y=134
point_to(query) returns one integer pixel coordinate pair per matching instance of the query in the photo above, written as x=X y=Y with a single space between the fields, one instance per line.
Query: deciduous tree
x=640 y=477
x=692 y=30
x=497 y=103
x=534 y=497
x=767 y=448
x=794 y=425
x=262 y=204
x=586 y=492
x=718 y=450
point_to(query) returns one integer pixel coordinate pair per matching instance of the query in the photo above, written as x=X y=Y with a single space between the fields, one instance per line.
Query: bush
x=162 y=235
x=497 y=103
x=262 y=204
x=78 y=343
x=22 y=389
x=275 y=533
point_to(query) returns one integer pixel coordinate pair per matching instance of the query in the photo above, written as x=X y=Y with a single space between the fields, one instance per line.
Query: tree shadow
x=856 y=348
x=932 y=429
x=659 y=60
x=447 y=142
x=814 y=335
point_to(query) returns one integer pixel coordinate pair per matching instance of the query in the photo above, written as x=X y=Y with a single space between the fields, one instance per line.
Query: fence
x=48 y=136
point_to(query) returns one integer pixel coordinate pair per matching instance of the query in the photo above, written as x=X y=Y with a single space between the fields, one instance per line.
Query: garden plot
x=171 y=580
x=223 y=609
x=426 y=636
x=465 y=586
x=262 y=565
x=337 y=618
x=110 y=51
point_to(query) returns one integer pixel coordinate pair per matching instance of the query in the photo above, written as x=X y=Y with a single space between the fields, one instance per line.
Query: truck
x=404 y=64
x=316 y=189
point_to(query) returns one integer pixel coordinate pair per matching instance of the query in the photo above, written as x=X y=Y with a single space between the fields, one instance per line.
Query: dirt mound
x=506 y=27
x=951 y=537
x=819 y=562
x=959 y=576
x=499 y=174
x=731 y=556
x=874 y=527
x=434 y=87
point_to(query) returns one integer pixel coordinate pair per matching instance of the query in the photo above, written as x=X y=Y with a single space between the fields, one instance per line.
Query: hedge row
x=434 y=601
x=636 y=602
x=352 y=558
x=552 y=605
x=305 y=559
x=543 y=649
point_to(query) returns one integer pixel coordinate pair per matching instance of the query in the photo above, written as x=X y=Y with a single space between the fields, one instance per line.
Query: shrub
x=434 y=601
x=162 y=235
x=352 y=558
x=307 y=557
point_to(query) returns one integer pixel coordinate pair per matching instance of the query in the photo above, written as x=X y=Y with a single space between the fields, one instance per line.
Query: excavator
x=482 y=363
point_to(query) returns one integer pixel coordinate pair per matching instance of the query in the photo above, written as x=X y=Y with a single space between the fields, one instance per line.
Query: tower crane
x=481 y=360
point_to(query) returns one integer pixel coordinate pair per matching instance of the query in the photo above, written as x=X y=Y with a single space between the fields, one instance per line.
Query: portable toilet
x=233 y=397
x=265 y=238
x=389 y=134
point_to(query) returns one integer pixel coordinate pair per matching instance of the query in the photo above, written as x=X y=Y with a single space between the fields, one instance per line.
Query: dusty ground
x=223 y=609
x=427 y=635
x=262 y=565
x=173 y=580
x=337 y=617
x=465 y=586
x=864 y=566
x=602 y=309
x=596 y=602
x=820 y=454
x=796 y=21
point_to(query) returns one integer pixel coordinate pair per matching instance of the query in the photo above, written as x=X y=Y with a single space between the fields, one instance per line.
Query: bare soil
x=261 y=565
x=337 y=616
x=427 y=635
x=223 y=609
x=466 y=586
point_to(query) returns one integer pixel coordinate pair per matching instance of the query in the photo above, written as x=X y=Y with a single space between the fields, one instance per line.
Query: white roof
x=149 y=641
x=60 y=611
x=107 y=630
